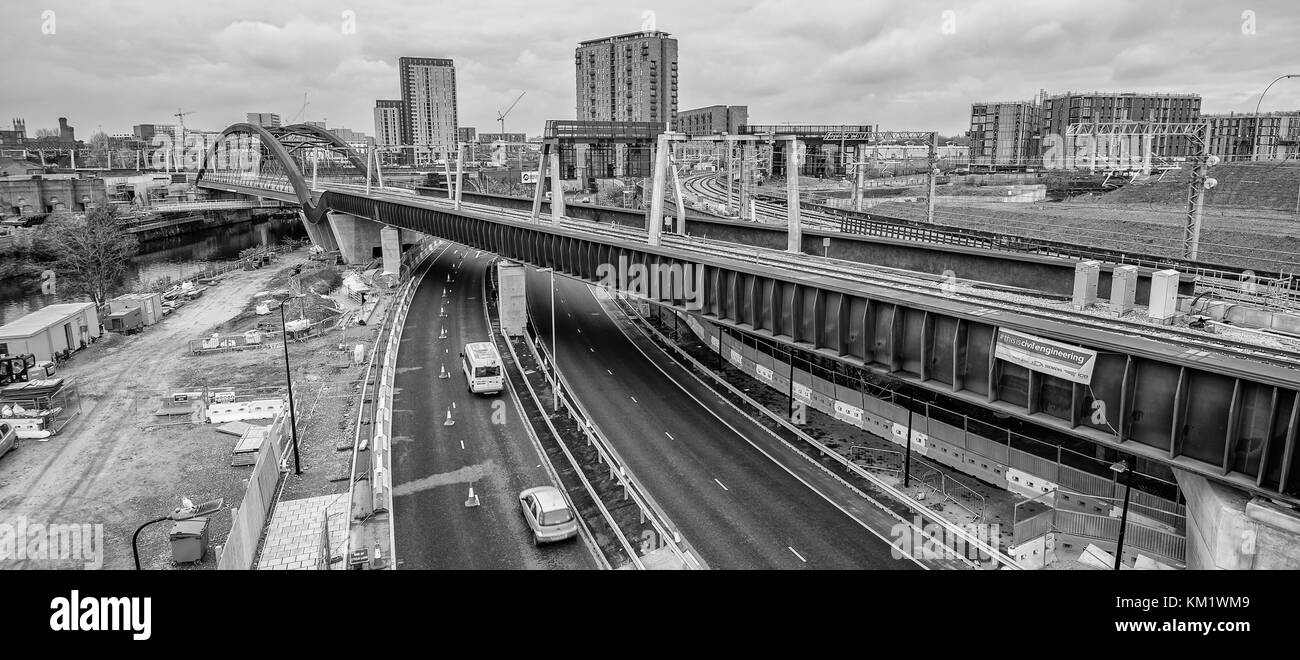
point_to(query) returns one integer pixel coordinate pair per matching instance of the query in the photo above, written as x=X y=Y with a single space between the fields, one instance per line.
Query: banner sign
x=1046 y=356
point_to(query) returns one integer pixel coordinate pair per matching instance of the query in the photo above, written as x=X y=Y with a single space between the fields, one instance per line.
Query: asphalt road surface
x=736 y=506
x=488 y=448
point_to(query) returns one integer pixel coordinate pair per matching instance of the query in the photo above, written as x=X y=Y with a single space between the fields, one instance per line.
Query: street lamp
x=555 y=352
x=1122 y=468
x=1255 y=142
x=191 y=511
x=293 y=420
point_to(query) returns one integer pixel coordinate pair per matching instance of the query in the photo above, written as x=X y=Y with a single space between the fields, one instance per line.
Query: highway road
x=488 y=448
x=736 y=506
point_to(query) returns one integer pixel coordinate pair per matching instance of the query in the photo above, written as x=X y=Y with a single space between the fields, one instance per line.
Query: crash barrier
x=370 y=492
x=667 y=536
x=240 y=549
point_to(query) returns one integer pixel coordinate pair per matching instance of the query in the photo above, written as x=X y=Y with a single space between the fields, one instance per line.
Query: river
x=175 y=257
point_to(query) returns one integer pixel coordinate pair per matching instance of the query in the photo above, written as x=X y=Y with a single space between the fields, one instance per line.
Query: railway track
x=967 y=291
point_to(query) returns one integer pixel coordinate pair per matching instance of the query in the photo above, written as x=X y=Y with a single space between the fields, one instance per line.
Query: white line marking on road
x=670 y=436
x=724 y=486
x=579 y=330
x=633 y=399
x=609 y=372
x=591 y=349
x=462 y=444
x=796 y=553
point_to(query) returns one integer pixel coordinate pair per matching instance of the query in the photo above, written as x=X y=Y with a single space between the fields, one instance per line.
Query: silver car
x=548 y=514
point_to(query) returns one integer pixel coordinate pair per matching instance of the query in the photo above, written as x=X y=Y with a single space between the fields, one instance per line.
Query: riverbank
x=119 y=464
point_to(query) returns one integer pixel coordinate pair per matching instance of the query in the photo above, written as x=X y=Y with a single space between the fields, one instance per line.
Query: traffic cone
x=443 y=372
x=473 y=499
x=442 y=312
x=450 y=421
x=443 y=334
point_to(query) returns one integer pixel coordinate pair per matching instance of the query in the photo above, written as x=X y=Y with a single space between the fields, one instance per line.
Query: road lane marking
x=724 y=486
x=670 y=436
x=609 y=372
x=796 y=553
x=462 y=444
x=579 y=330
x=591 y=349
x=633 y=399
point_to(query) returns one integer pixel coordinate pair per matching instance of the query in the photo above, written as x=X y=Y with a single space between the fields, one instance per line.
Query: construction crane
x=501 y=116
x=180 y=114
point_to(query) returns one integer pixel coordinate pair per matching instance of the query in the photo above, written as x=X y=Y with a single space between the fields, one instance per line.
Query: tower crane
x=501 y=116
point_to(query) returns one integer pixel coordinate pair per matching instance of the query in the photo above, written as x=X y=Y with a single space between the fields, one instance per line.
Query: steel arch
x=272 y=142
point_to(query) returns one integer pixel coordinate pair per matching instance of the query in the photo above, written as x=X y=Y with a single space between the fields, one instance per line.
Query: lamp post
x=1122 y=468
x=1254 y=155
x=293 y=420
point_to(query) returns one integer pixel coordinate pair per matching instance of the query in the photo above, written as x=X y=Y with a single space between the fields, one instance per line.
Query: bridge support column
x=1230 y=529
x=794 y=227
x=321 y=235
x=557 y=187
x=540 y=188
x=390 y=241
x=357 y=237
x=655 y=223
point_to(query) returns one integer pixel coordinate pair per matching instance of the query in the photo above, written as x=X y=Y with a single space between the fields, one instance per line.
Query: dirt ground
x=120 y=465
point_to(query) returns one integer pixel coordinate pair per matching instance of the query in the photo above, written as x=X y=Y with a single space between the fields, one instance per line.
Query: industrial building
x=51 y=330
x=627 y=78
x=712 y=120
x=591 y=150
x=828 y=148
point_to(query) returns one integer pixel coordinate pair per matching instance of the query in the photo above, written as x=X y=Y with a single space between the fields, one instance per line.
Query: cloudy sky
x=905 y=65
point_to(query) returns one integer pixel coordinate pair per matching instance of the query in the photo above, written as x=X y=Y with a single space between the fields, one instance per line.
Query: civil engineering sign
x=1046 y=356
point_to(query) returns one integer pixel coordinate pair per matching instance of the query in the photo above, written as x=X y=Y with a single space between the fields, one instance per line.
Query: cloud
x=887 y=63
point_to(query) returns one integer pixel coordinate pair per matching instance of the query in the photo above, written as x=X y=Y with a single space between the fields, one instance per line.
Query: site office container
x=55 y=328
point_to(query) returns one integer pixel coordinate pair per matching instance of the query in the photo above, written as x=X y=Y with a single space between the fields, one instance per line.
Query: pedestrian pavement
x=294 y=534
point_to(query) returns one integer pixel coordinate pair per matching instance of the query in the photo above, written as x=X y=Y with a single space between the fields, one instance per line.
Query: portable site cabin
x=128 y=321
x=150 y=305
x=55 y=328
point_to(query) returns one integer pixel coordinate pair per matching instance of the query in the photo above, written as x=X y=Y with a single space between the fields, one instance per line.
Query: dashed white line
x=462 y=444
x=724 y=486
x=796 y=553
x=670 y=436
x=634 y=400
x=591 y=349
x=609 y=372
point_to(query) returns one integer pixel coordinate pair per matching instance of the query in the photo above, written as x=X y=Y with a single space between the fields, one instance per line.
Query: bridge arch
x=280 y=144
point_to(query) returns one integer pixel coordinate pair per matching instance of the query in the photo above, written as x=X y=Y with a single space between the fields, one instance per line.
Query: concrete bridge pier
x=320 y=234
x=357 y=237
x=1230 y=529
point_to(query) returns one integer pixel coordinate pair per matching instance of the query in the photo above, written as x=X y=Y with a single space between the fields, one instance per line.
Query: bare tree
x=93 y=252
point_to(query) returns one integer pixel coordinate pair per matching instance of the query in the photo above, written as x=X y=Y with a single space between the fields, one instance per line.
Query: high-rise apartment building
x=428 y=105
x=1004 y=133
x=263 y=119
x=388 y=122
x=712 y=120
x=1061 y=110
x=1266 y=136
x=629 y=77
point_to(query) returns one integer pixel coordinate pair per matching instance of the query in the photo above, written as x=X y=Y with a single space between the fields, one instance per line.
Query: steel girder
x=1223 y=417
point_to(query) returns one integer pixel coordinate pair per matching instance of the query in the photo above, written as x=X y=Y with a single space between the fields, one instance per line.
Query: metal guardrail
x=573 y=461
x=379 y=443
x=668 y=536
